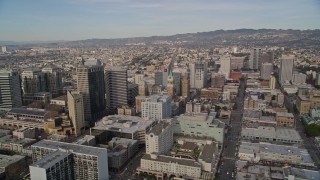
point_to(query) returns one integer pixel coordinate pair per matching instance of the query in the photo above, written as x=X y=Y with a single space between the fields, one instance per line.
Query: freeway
x=231 y=142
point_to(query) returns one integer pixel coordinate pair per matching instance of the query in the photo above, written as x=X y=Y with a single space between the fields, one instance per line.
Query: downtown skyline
x=81 y=19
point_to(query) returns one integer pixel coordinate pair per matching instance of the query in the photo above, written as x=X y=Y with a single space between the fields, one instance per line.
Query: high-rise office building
x=299 y=78
x=255 y=58
x=133 y=91
x=159 y=139
x=225 y=66
x=68 y=161
x=161 y=77
x=185 y=85
x=217 y=80
x=266 y=70
x=198 y=75
x=116 y=88
x=53 y=80
x=32 y=82
x=156 y=107
x=272 y=82
x=318 y=79
x=177 y=83
x=4 y=49
x=143 y=89
x=138 y=78
x=286 y=68
x=170 y=85
x=76 y=111
x=10 y=90
x=90 y=82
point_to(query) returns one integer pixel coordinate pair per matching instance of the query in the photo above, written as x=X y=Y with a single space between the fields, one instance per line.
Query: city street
x=231 y=143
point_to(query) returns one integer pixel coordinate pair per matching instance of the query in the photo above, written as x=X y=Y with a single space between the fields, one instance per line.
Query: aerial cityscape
x=159 y=90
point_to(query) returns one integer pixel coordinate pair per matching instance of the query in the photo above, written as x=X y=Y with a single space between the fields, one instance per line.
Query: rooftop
x=158 y=128
x=285 y=114
x=272 y=132
x=74 y=148
x=301 y=173
x=169 y=159
x=6 y=160
x=121 y=123
x=208 y=152
x=9 y=139
x=51 y=159
x=33 y=112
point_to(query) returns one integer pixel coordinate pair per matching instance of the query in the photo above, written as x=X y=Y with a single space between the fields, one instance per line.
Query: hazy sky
x=25 y=20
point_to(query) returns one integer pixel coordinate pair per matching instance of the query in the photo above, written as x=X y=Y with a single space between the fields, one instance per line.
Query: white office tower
x=156 y=107
x=4 y=49
x=159 y=139
x=266 y=70
x=59 y=160
x=10 y=90
x=299 y=78
x=225 y=66
x=198 y=75
x=255 y=58
x=286 y=68
x=76 y=111
x=272 y=82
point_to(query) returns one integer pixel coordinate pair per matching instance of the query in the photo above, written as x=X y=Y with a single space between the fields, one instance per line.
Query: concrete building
x=225 y=66
x=317 y=83
x=68 y=160
x=53 y=80
x=57 y=165
x=121 y=151
x=159 y=139
x=198 y=75
x=157 y=107
x=4 y=49
x=133 y=91
x=166 y=165
x=90 y=82
x=285 y=119
x=255 y=57
x=315 y=112
x=303 y=104
x=10 y=164
x=266 y=70
x=299 y=174
x=42 y=97
x=19 y=146
x=130 y=127
x=39 y=115
x=199 y=125
x=76 y=111
x=116 y=88
x=237 y=63
x=10 y=90
x=299 y=78
x=139 y=100
x=143 y=89
x=272 y=82
x=126 y=110
x=286 y=68
x=217 y=80
x=24 y=132
x=138 y=78
x=255 y=152
x=161 y=77
x=272 y=134
x=185 y=85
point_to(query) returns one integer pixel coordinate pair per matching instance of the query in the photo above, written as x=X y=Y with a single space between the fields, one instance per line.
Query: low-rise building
x=300 y=174
x=257 y=152
x=166 y=165
x=315 y=112
x=24 y=132
x=285 y=119
x=121 y=150
x=20 y=146
x=39 y=115
x=11 y=165
x=272 y=134
x=199 y=125
x=303 y=104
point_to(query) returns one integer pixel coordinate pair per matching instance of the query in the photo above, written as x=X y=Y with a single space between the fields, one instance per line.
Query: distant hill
x=238 y=37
